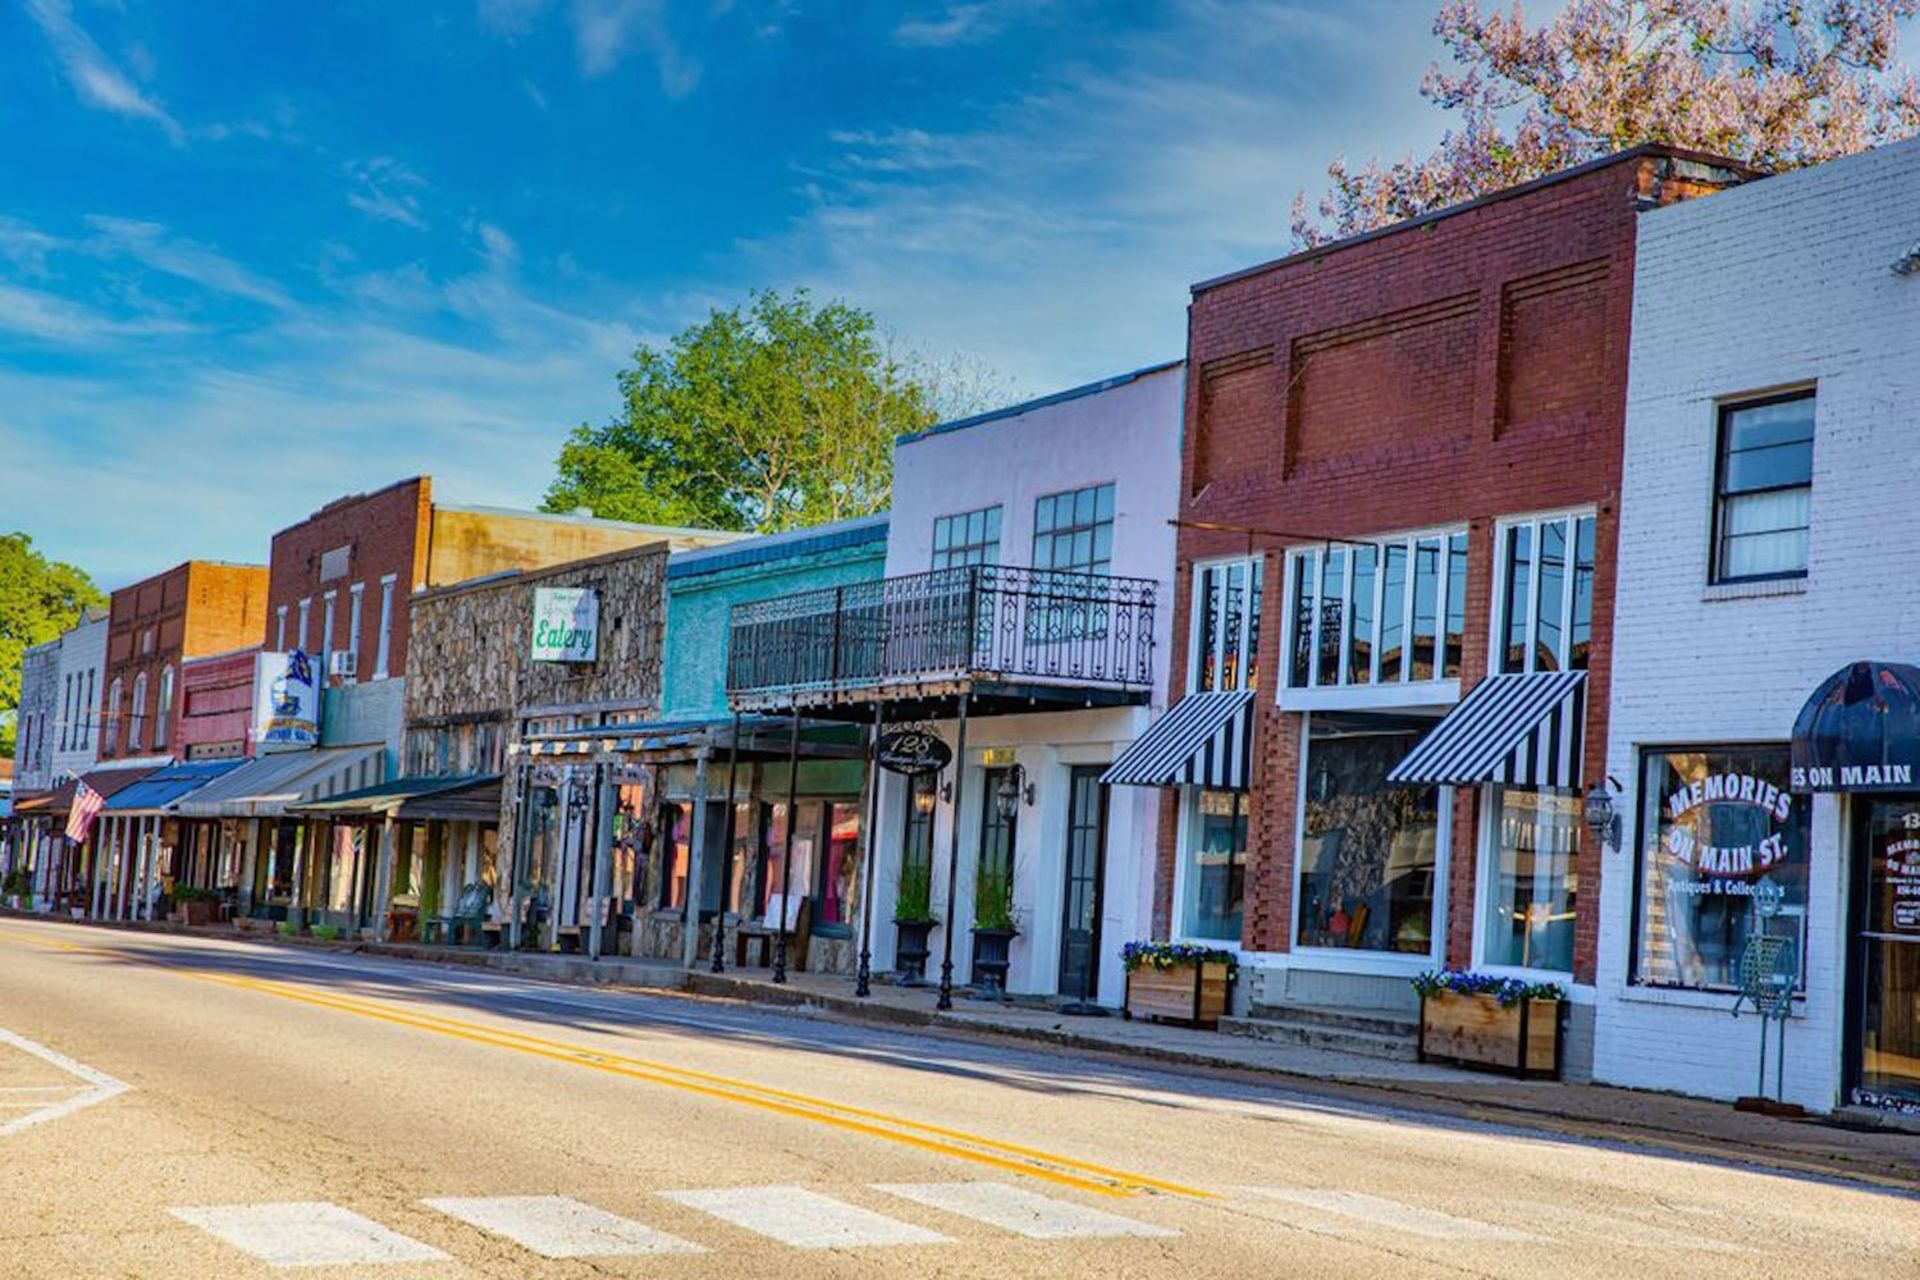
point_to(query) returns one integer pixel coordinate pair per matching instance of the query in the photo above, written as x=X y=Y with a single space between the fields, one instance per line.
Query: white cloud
x=150 y=244
x=97 y=81
x=47 y=317
x=384 y=189
x=606 y=30
x=956 y=24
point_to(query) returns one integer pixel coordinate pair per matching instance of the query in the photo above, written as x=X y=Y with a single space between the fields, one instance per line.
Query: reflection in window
x=1545 y=609
x=1226 y=602
x=1367 y=853
x=1361 y=613
x=1764 y=502
x=1426 y=604
x=1216 y=867
x=1532 y=878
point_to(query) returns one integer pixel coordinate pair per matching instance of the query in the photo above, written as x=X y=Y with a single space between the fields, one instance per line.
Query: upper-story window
x=137 y=722
x=1073 y=531
x=163 y=715
x=1378 y=612
x=1763 y=489
x=1226 y=626
x=66 y=711
x=1543 y=619
x=113 y=716
x=970 y=537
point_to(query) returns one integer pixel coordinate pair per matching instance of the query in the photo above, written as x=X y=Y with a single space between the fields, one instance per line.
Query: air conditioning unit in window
x=344 y=665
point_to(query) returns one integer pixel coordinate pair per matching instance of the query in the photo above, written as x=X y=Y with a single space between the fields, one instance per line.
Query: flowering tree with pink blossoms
x=1775 y=83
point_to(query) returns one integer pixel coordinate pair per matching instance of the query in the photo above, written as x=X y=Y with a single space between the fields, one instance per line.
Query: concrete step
x=1386 y=1022
x=1366 y=1035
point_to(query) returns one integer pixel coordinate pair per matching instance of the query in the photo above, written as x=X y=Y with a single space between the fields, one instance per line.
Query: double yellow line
x=958 y=1144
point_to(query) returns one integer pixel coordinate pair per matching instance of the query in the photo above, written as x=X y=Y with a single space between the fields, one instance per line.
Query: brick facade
x=192 y=610
x=216 y=716
x=1445 y=372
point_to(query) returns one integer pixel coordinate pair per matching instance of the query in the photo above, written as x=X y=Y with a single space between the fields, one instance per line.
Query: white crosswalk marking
x=1017 y=1209
x=306 y=1234
x=1376 y=1211
x=804 y=1219
x=559 y=1227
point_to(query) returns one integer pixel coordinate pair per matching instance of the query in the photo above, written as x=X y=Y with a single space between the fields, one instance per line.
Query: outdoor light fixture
x=923 y=800
x=1013 y=789
x=1602 y=818
x=1908 y=263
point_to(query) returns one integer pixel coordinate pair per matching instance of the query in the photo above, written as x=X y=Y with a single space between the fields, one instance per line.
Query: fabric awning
x=156 y=793
x=1860 y=731
x=269 y=786
x=1525 y=730
x=395 y=797
x=1202 y=741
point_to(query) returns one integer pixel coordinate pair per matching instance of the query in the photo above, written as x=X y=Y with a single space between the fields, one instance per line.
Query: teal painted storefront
x=704 y=585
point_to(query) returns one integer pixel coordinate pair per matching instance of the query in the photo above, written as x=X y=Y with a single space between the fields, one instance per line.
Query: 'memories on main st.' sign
x=566 y=624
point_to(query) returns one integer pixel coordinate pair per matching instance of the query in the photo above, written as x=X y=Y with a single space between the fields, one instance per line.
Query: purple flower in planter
x=1508 y=991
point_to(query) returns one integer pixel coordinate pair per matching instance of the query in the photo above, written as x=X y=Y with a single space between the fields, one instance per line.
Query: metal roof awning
x=271 y=785
x=156 y=793
x=57 y=802
x=1522 y=729
x=761 y=737
x=410 y=798
x=1204 y=740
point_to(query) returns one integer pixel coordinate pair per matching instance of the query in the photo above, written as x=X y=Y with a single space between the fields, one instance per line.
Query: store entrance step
x=1373 y=1033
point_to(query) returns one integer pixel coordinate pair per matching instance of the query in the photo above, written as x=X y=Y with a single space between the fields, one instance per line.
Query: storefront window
x=1216 y=869
x=1531 y=879
x=1368 y=613
x=1713 y=821
x=1889 y=954
x=837 y=901
x=1368 y=848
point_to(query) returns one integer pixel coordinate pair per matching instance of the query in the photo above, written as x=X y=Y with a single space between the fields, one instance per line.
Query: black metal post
x=786 y=857
x=863 y=981
x=726 y=862
x=953 y=857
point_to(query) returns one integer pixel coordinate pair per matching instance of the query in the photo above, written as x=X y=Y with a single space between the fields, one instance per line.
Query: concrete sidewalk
x=1822 y=1146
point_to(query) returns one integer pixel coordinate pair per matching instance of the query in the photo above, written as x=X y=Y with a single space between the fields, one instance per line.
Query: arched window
x=113 y=716
x=137 y=723
x=163 y=714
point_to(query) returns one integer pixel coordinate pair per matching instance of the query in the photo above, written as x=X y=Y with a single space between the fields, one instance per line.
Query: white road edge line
x=101 y=1085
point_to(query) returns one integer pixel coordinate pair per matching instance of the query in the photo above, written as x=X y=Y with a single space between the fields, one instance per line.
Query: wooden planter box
x=1474 y=1031
x=1195 y=994
x=200 y=911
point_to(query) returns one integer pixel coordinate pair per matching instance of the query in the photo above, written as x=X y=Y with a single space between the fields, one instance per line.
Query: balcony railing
x=981 y=622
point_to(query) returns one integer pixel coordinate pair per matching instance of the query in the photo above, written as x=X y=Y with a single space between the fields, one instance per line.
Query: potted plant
x=1479 y=1020
x=912 y=922
x=1178 y=981
x=195 y=906
x=993 y=933
x=325 y=932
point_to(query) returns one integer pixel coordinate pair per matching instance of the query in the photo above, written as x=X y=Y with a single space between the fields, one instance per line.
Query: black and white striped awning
x=1525 y=730
x=1204 y=741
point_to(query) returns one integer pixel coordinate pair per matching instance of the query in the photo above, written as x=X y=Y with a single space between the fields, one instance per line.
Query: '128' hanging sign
x=912 y=752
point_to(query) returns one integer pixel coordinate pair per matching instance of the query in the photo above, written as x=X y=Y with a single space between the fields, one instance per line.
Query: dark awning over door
x=1860 y=731
x=1203 y=741
x=1522 y=729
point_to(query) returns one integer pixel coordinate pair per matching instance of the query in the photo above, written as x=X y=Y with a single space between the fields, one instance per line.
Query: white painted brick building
x=1780 y=287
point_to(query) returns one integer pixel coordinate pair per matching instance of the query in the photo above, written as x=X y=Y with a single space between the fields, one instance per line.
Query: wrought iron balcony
x=981 y=624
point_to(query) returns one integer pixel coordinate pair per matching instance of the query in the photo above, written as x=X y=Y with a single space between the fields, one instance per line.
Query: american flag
x=86 y=807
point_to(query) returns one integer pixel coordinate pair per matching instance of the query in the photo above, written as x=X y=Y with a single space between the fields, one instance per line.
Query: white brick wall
x=1786 y=281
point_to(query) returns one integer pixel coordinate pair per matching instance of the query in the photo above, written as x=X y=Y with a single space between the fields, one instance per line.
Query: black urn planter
x=991 y=957
x=910 y=951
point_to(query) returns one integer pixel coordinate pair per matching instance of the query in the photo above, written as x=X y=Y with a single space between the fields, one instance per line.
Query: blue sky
x=254 y=256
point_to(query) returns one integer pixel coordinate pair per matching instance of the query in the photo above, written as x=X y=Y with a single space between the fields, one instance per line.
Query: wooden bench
x=765 y=932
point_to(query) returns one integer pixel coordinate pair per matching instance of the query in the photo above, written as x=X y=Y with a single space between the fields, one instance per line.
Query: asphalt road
x=181 y=1107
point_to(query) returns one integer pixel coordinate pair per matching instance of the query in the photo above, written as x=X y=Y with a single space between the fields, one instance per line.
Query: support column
x=97 y=873
x=696 y=860
x=720 y=915
x=786 y=857
x=605 y=795
x=383 y=881
x=953 y=856
x=869 y=829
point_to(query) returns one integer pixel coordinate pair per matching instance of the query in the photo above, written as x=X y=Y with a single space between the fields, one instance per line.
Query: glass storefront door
x=1084 y=865
x=1886 y=955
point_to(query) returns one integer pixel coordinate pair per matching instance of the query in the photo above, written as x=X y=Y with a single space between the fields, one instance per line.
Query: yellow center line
x=1026 y=1161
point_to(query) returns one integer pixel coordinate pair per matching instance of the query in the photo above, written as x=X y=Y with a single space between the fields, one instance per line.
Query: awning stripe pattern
x=1523 y=730
x=1205 y=740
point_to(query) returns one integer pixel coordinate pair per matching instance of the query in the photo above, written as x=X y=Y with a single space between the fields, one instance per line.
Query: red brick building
x=192 y=610
x=1400 y=473
x=341 y=580
x=216 y=714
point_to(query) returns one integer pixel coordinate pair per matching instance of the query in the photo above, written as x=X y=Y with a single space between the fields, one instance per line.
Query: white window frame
x=280 y=629
x=1404 y=691
x=163 y=710
x=1497 y=609
x=1483 y=887
x=66 y=711
x=1188 y=822
x=1352 y=960
x=87 y=709
x=356 y=602
x=328 y=616
x=306 y=610
x=114 y=691
x=382 y=654
x=137 y=721
x=1248 y=660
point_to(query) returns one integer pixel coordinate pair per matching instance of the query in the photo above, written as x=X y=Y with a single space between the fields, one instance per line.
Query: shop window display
x=1369 y=848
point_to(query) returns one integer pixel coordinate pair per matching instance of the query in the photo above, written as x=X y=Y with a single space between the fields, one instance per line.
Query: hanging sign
x=286 y=701
x=566 y=624
x=912 y=752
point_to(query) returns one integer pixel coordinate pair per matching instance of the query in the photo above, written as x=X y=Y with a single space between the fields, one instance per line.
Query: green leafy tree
x=39 y=599
x=773 y=415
